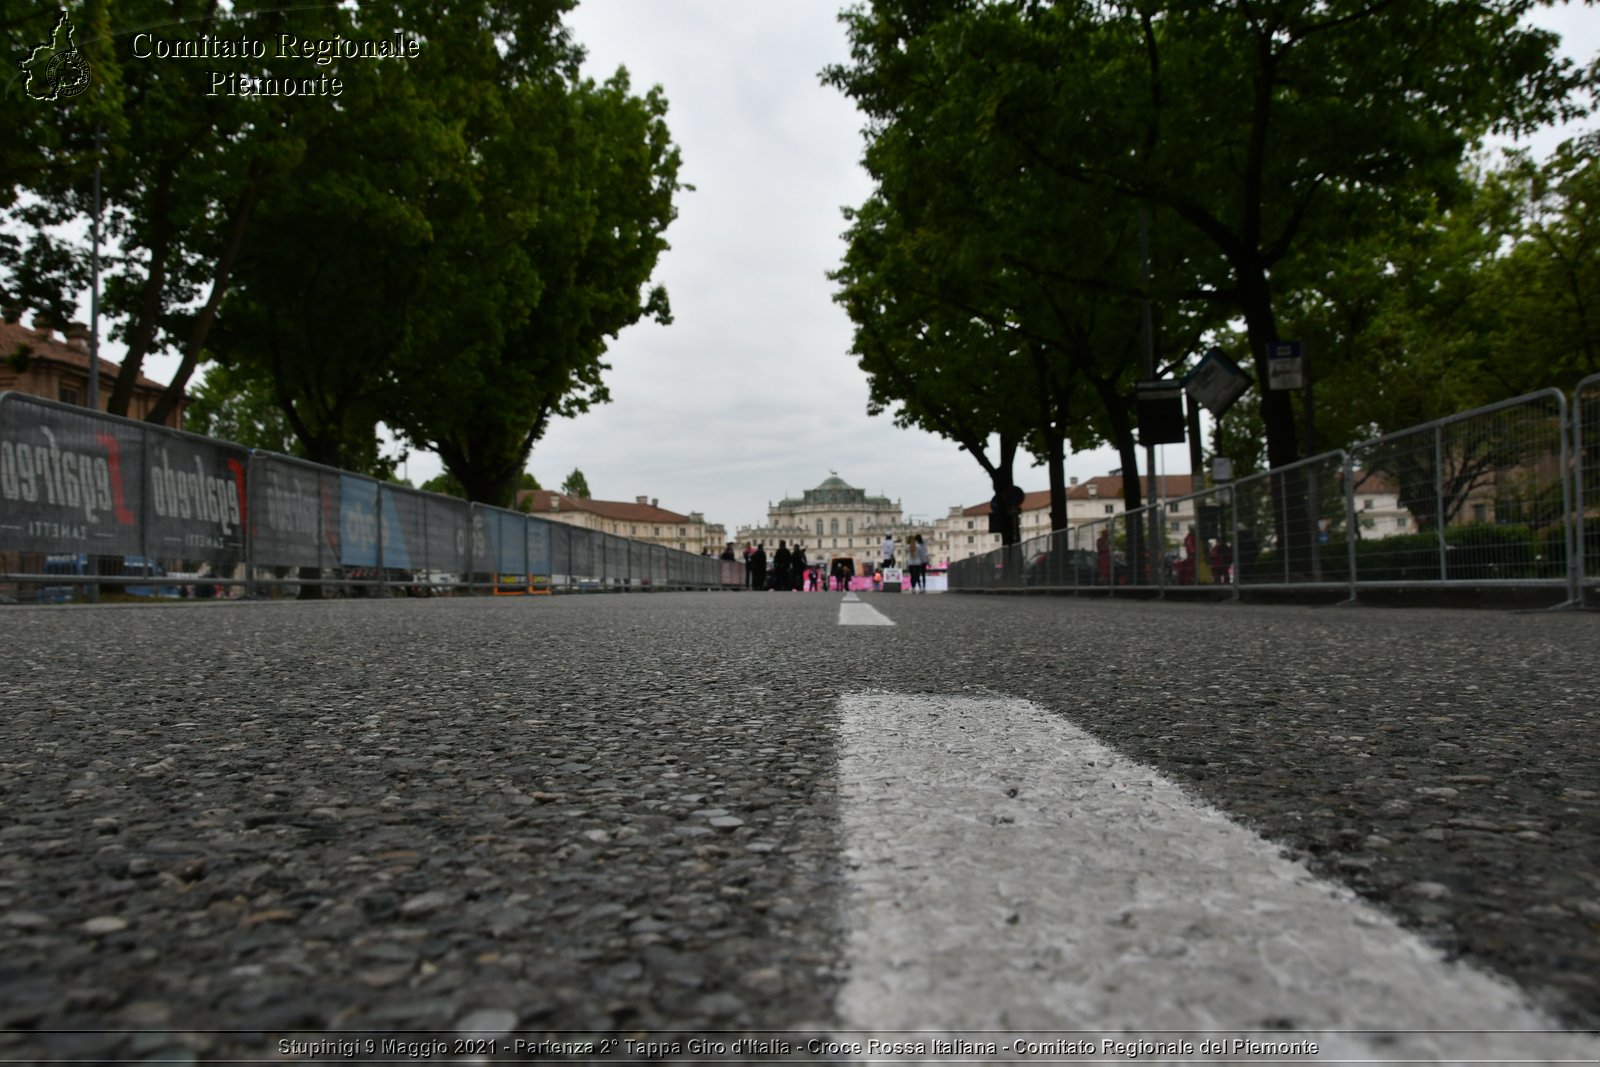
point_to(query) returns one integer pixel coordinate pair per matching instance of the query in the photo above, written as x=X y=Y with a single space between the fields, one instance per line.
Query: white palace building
x=836 y=519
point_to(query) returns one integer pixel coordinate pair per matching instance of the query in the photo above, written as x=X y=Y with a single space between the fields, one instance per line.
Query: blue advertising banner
x=358 y=526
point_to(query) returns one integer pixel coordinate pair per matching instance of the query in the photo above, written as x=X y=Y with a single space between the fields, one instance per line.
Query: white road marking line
x=853 y=612
x=1011 y=873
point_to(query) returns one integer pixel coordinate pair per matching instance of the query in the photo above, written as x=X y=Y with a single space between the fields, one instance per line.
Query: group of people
x=788 y=569
x=916 y=561
x=785 y=571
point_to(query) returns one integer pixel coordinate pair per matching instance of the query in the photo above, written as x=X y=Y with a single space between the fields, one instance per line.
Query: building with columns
x=835 y=519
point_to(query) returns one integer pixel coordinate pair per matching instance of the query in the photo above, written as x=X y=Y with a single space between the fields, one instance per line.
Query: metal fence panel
x=582 y=554
x=294 y=512
x=560 y=552
x=447 y=526
x=1479 y=497
x=1289 y=524
x=405 y=530
x=195 y=490
x=359 y=530
x=71 y=482
x=510 y=546
x=538 y=538
x=1586 y=486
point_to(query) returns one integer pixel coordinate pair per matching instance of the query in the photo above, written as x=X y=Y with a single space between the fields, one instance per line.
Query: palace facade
x=836 y=519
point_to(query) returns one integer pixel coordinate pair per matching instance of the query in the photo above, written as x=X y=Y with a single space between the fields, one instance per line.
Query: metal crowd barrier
x=90 y=500
x=1586 y=488
x=1503 y=495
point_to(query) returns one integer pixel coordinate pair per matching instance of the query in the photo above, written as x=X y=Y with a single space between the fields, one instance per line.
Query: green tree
x=576 y=485
x=227 y=405
x=575 y=195
x=1044 y=271
x=1269 y=134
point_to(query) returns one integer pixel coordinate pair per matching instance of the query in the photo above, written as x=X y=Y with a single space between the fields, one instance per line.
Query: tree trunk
x=1293 y=513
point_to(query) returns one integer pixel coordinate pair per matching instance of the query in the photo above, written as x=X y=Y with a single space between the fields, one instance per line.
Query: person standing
x=844 y=569
x=888 y=550
x=797 y=569
x=760 y=562
x=749 y=565
x=919 y=565
x=781 y=561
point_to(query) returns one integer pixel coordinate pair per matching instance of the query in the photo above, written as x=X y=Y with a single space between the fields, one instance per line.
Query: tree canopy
x=1266 y=143
x=445 y=248
x=576 y=485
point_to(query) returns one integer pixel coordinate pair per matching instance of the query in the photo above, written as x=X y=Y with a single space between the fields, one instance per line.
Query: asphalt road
x=224 y=823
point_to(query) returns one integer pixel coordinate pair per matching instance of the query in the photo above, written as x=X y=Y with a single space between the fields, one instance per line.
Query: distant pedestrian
x=797 y=569
x=888 y=550
x=919 y=565
x=727 y=554
x=844 y=569
x=781 y=561
x=760 y=562
x=750 y=566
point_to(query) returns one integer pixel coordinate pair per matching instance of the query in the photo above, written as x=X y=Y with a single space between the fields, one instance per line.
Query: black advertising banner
x=195 y=498
x=403 y=513
x=448 y=526
x=294 y=513
x=71 y=482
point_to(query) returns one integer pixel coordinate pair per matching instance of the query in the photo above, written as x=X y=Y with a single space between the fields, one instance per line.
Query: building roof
x=1105 y=487
x=17 y=339
x=546 y=501
x=834 y=490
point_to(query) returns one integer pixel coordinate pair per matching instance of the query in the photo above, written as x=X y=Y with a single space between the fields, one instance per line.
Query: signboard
x=69 y=482
x=891 y=579
x=195 y=499
x=294 y=510
x=360 y=536
x=1161 y=413
x=1216 y=382
x=1286 y=366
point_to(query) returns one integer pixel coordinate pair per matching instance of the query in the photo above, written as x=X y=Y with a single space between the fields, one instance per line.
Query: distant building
x=642 y=520
x=964 y=532
x=835 y=519
x=36 y=362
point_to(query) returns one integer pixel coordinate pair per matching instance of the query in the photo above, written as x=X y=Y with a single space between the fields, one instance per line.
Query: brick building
x=36 y=361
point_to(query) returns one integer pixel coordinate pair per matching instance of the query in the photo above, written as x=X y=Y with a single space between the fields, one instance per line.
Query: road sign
x=1161 y=413
x=1216 y=382
x=1286 y=366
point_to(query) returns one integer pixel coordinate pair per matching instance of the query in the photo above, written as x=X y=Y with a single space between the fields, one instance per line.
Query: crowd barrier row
x=89 y=500
x=1503 y=495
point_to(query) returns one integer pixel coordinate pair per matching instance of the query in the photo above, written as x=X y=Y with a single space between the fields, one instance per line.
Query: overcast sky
x=751 y=393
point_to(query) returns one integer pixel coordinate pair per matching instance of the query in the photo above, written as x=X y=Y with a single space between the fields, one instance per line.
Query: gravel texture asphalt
x=226 y=822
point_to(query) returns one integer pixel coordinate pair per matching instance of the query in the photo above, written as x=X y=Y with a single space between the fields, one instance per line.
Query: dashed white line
x=854 y=612
x=1009 y=873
